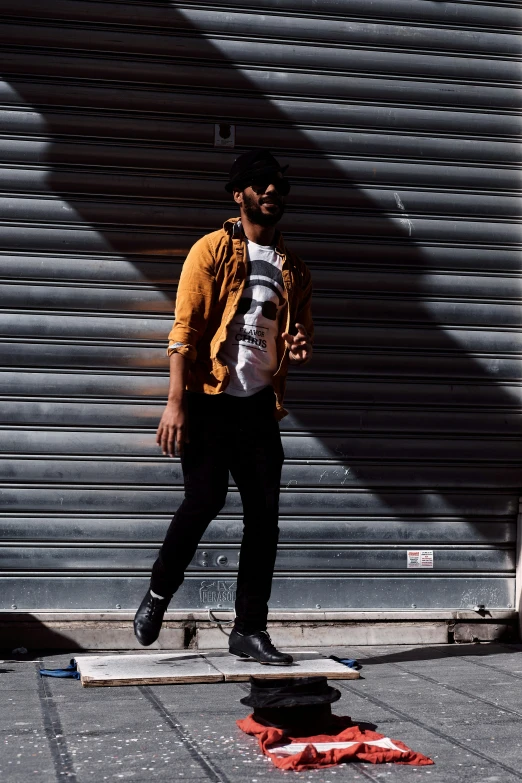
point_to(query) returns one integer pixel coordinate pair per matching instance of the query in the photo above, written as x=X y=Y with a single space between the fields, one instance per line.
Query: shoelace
x=154 y=606
x=270 y=642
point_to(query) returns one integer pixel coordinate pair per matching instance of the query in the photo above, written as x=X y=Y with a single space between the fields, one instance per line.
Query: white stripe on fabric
x=322 y=747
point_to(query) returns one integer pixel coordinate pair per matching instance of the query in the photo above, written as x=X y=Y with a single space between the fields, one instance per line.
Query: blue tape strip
x=352 y=663
x=69 y=671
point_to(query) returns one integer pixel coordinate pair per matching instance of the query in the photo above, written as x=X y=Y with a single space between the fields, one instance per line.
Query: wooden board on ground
x=305 y=665
x=191 y=667
x=145 y=669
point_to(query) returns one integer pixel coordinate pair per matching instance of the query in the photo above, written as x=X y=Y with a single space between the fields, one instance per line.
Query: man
x=242 y=315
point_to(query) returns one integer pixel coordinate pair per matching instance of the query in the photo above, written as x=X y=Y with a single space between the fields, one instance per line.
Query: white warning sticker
x=419 y=558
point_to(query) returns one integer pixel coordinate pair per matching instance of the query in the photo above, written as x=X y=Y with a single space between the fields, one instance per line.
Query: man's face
x=261 y=203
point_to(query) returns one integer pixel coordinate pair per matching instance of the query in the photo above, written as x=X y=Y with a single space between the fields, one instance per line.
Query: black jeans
x=240 y=435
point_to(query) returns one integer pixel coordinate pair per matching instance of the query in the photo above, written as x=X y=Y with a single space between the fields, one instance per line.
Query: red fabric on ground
x=341 y=730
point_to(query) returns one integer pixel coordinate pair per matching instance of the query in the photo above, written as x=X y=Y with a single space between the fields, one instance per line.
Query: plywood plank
x=305 y=665
x=145 y=669
x=192 y=667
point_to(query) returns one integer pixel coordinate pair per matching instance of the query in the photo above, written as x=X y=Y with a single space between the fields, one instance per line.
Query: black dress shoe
x=257 y=646
x=148 y=618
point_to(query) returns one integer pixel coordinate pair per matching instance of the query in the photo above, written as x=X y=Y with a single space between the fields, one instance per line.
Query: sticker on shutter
x=419 y=558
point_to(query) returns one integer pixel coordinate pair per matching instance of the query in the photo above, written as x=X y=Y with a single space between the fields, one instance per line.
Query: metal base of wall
x=196 y=630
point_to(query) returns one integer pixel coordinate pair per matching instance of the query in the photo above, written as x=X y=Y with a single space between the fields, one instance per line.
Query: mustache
x=271 y=200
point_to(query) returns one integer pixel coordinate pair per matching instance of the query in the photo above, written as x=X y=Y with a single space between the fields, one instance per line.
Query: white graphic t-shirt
x=250 y=347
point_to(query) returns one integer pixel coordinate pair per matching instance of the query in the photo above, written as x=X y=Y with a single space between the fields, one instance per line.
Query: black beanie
x=258 y=162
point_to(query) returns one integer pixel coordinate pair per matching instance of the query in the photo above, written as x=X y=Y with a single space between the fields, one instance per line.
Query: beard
x=255 y=215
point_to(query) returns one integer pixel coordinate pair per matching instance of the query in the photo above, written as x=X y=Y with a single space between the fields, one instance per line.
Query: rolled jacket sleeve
x=193 y=300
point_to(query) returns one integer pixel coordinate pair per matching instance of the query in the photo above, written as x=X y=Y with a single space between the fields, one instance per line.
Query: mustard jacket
x=210 y=287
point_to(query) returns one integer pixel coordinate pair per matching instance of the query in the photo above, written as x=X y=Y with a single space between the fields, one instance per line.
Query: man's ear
x=238 y=196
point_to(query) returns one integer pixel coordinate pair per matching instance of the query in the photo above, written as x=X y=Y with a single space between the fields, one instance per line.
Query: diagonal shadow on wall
x=124 y=99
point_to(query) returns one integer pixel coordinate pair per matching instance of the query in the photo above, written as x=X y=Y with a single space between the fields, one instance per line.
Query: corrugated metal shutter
x=400 y=120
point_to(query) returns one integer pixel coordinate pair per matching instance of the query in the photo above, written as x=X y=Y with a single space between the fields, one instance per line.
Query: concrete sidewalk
x=459 y=704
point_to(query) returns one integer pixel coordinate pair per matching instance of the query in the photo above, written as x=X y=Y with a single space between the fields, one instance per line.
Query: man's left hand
x=299 y=345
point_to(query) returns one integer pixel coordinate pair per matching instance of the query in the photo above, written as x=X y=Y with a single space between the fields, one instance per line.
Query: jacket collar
x=234 y=229
x=230 y=226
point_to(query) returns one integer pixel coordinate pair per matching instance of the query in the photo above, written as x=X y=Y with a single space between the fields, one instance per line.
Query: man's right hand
x=173 y=429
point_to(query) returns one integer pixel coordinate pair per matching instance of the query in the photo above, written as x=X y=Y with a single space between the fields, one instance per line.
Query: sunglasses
x=282 y=185
x=248 y=305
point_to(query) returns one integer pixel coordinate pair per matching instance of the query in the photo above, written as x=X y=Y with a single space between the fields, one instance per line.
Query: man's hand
x=172 y=431
x=299 y=345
